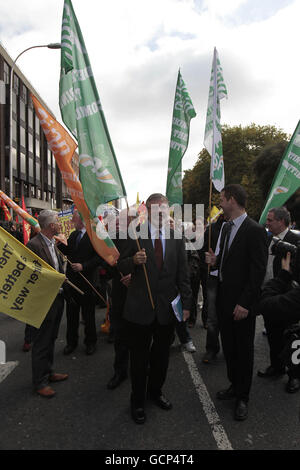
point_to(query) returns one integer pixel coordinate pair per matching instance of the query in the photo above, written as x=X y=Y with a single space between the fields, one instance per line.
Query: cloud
x=136 y=48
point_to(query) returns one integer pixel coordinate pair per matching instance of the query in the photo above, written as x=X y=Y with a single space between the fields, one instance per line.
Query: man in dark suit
x=43 y=244
x=150 y=331
x=212 y=336
x=84 y=260
x=242 y=265
x=278 y=222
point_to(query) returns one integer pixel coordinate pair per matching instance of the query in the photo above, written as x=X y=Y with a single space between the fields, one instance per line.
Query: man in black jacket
x=280 y=305
x=241 y=269
x=150 y=331
x=85 y=260
x=278 y=222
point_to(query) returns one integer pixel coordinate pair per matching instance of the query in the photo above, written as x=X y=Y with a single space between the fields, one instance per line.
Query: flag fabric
x=287 y=177
x=82 y=113
x=212 y=136
x=20 y=212
x=26 y=226
x=183 y=112
x=214 y=213
x=63 y=147
x=7 y=216
x=28 y=285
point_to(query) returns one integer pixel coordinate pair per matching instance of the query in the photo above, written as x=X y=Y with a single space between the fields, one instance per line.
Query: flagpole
x=213 y=147
x=144 y=267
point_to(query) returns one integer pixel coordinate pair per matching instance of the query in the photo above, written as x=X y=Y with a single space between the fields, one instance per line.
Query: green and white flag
x=183 y=112
x=82 y=113
x=287 y=177
x=212 y=136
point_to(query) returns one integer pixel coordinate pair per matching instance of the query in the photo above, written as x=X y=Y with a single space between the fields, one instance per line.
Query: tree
x=241 y=148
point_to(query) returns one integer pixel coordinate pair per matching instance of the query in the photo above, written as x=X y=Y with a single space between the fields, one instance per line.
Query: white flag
x=213 y=137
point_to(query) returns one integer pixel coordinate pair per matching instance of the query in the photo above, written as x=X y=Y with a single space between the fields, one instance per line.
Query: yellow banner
x=28 y=285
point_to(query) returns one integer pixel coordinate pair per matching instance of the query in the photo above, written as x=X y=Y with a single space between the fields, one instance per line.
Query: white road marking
x=6 y=369
x=209 y=409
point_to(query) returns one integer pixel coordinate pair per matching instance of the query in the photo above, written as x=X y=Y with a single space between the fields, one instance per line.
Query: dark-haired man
x=150 y=331
x=278 y=222
x=241 y=266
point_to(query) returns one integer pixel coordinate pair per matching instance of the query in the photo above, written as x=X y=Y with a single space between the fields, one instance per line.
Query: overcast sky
x=136 y=48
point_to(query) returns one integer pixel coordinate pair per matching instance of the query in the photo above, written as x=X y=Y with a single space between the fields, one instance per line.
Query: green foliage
x=242 y=147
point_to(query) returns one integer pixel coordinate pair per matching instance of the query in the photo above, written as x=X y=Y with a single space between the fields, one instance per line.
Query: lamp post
x=55 y=45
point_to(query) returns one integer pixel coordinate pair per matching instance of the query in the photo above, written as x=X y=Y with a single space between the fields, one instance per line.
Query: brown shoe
x=58 y=377
x=46 y=392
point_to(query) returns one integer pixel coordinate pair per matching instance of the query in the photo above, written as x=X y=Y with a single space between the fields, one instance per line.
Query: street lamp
x=55 y=45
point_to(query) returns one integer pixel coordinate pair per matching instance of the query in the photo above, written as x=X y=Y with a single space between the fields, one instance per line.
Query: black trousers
x=238 y=346
x=43 y=344
x=85 y=303
x=149 y=347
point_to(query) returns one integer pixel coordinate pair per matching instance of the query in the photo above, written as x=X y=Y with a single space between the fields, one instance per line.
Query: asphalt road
x=84 y=415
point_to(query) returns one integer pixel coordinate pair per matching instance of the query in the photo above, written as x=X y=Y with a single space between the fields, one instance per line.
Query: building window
x=23 y=164
x=30 y=119
x=30 y=142
x=22 y=111
x=37 y=126
x=30 y=168
x=37 y=148
x=14 y=131
x=6 y=73
x=37 y=171
x=14 y=103
x=24 y=93
x=22 y=137
x=16 y=84
x=14 y=158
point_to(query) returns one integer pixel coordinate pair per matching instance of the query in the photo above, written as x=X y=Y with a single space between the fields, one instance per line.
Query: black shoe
x=227 y=394
x=69 y=349
x=293 y=385
x=138 y=415
x=241 y=410
x=90 y=349
x=209 y=357
x=162 y=402
x=271 y=372
x=116 y=380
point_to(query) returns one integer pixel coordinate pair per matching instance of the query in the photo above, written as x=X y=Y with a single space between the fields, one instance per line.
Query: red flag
x=26 y=226
x=7 y=215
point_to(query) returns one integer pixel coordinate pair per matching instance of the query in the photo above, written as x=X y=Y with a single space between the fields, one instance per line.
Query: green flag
x=183 y=112
x=212 y=136
x=82 y=113
x=287 y=177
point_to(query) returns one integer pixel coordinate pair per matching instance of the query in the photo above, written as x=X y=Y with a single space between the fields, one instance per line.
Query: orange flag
x=63 y=148
x=26 y=225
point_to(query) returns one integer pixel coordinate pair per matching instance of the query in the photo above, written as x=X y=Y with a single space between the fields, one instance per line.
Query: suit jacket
x=38 y=245
x=165 y=284
x=84 y=254
x=244 y=267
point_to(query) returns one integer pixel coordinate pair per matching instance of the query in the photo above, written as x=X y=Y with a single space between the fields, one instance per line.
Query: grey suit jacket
x=165 y=285
x=38 y=245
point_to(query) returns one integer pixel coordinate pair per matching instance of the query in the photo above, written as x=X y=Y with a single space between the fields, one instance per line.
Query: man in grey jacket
x=150 y=328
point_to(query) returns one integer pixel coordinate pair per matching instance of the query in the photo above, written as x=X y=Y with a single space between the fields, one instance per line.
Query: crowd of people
x=242 y=270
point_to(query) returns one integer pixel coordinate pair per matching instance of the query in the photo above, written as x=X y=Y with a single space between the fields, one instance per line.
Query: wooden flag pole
x=85 y=279
x=209 y=225
x=144 y=266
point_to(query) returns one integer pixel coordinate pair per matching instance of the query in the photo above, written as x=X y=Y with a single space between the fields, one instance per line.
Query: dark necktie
x=158 y=249
x=78 y=238
x=225 y=245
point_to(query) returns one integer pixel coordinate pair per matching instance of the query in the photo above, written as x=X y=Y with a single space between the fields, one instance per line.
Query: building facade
x=35 y=174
